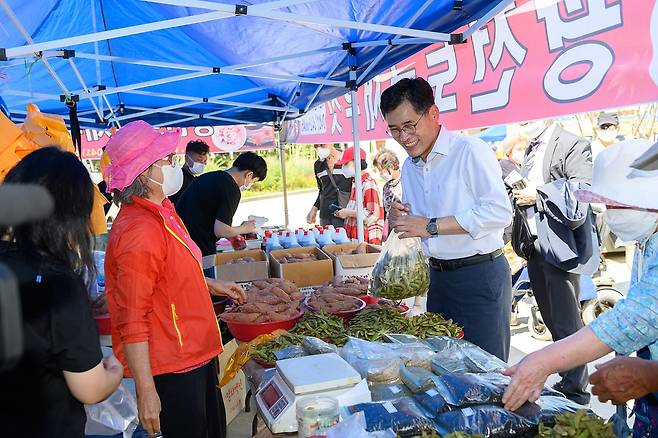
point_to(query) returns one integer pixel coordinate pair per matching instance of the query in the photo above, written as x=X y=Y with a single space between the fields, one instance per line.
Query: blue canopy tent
x=196 y=62
x=495 y=133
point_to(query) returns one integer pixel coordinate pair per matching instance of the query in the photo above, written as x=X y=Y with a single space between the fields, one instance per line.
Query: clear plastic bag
x=475 y=359
x=402 y=270
x=290 y=353
x=432 y=402
x=485 y=420
x=314 y=346
x=461 y=390
x=116 y=414
x=417 y=379
x=380 y=363
x=389 y=392
x=547 y=408
x=449 y=361
x=403 y=416
x=354 y=426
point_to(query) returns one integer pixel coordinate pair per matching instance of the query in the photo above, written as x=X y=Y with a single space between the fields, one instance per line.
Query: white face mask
x=630 y=225
x=349 y=171
x=172 y=179
x=607 y=135
x=323 y=153
x=534 y=129
x=197 y=168
x=386 y=176
x=245 y=187
x=518 y=156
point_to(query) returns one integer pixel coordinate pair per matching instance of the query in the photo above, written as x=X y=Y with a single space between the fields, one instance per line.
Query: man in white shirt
x=554 y=154
x=455 y=201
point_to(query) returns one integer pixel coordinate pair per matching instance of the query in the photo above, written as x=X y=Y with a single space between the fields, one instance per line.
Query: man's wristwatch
x=433 y=227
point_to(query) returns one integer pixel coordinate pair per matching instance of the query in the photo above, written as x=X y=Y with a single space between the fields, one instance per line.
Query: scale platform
x=323 y=374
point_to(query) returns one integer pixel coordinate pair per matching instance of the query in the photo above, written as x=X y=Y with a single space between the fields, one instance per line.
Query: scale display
x=275 y=402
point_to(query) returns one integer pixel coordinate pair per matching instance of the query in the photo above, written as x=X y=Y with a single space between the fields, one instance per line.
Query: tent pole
x=282 y=159
x=358 y=185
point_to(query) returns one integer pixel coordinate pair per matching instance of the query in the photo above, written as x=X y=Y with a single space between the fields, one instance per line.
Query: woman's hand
x=229 y=289
x=528 y=379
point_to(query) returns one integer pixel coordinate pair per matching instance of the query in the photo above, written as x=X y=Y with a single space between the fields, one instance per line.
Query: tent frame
x=43 y=51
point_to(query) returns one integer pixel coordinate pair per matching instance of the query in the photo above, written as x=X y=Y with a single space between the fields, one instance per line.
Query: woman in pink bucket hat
x=632 y=325
x=164 y=329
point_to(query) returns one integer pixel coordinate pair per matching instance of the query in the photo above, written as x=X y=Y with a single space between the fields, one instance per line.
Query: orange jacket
x=156 y=290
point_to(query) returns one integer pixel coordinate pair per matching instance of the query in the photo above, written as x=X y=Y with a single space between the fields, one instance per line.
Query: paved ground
x=522 y=342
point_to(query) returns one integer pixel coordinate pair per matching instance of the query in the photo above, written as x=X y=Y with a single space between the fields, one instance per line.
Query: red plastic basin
x=246 y=331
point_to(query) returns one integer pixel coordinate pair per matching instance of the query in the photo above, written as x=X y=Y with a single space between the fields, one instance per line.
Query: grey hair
x=137 y=188
x=386 y=160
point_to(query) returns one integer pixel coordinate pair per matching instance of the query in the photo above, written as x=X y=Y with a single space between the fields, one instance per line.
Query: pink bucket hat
x=131 y=151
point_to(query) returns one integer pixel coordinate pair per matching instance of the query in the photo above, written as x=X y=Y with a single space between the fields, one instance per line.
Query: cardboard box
x=239 y=273
x=235 y=392
x=349 y=265
x=303 y=274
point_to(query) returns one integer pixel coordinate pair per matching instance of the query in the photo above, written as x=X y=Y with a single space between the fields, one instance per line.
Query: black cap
x=607 y=119
x=648 y=160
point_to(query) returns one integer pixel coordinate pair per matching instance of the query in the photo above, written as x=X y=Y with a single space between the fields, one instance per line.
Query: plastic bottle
x=299 y=235
x=340 y=236
x=308 y=239
x=324 y=239
x=331 y=229
x=316 y=231
x=290 y=241
x=273 y=243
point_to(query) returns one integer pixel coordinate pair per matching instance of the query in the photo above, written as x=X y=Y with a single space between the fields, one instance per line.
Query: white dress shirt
x=461 y=178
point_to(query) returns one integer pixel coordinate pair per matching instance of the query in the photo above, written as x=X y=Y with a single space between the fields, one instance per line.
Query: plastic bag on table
x=396 y=338
x=242 y=355
x=547 y=408
x=389 y=392
x=449 y=361
x=314 y=346
x=379 y=363
x=488 y=421
x=476 y=359
x=290 y=353
x=432 y=402
x=354 y=426
x=461 y=390
x=116 y=414
x=417 y=379
x=403 y=416
x=402 y=270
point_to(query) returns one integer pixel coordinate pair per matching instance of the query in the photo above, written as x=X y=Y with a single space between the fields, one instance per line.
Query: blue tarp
x=219 y=43
x=495 y=133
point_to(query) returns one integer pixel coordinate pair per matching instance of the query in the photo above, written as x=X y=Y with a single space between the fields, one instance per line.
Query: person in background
x=373 y=210
x=607 y=130
x=196 y=158
x=333 y=188
x=62 y=365
x=207 y=207
x=388 y=166
x=554 y=153
x=164 y=329
x=632 y=325
x=455 y=201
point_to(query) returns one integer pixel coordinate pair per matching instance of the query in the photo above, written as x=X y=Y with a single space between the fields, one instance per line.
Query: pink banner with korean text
x=235 y=138
x=539 y=59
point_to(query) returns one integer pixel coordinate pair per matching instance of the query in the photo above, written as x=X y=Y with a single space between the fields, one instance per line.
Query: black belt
x=451 y=265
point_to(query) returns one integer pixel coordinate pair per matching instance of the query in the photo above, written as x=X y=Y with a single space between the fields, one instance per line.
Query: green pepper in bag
x=402 y=270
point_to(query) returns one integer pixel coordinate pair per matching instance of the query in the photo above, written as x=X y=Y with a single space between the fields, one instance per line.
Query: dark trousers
x=556 y=292
x=478 y=298
x=192 y=405
x=333 y=220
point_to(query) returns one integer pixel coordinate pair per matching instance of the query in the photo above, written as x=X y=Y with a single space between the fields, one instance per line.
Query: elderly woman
x=373 y=211
x=632 y=325
x=163 y=324
x=388 y=166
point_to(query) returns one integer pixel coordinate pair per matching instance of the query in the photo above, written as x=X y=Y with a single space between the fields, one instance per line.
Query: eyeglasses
x=606 y=127
x=407 y=128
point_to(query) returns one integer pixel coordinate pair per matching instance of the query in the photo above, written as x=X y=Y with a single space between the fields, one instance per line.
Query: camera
x=333 y=208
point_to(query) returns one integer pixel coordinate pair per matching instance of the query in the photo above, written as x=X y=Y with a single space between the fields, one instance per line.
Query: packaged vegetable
x=417 y=379
x=403 y=416
x=547 y=408
x=470 y=389
x=314 y=346
x=475 y=359
x=488 y=421
x=389 y=392
x=402 y=270
x=432 y=402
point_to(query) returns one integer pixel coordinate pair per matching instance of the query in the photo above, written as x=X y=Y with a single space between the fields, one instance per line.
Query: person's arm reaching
x=148 y=401
x=227 y=231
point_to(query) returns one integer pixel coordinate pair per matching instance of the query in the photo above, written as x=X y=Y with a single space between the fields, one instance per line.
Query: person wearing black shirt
x=333 y=188
x=62 y=366
x=207 y=207
x=196 y=158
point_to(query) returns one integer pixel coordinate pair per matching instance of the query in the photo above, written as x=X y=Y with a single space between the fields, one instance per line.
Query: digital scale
x=319 y=375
